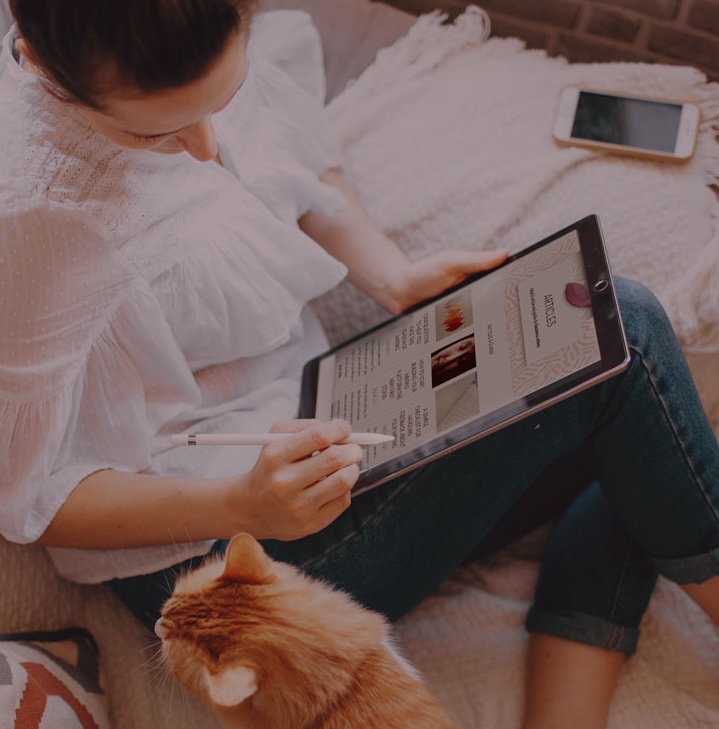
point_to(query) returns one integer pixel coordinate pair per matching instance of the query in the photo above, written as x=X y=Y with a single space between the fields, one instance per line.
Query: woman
x=169 y=204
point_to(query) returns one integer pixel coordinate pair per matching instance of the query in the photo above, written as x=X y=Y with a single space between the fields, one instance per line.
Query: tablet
x=502 y=345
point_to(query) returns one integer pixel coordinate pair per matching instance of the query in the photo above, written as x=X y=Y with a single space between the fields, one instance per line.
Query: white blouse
x=144 y=294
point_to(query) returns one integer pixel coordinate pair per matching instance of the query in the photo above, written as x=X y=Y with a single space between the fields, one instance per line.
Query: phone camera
x=601 y=286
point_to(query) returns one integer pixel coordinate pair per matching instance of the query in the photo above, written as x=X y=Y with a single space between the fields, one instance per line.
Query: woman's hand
x=301 y=484
x=380 y=268
x=431 y=276
x=297 y=487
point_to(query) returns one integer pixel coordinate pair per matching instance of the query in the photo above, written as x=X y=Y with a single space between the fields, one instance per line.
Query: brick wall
x=664 y=31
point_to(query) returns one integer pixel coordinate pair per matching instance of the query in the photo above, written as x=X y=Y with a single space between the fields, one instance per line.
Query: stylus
x=206 y=439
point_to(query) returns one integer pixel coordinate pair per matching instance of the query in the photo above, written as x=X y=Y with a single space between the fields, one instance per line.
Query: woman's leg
x=570 y=685
x=591 y=549
x=653 y=452
x=594 y=578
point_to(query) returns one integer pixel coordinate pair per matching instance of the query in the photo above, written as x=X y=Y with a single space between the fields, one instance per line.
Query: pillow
x=6 y=19
x=50 y=680
x=352 y=32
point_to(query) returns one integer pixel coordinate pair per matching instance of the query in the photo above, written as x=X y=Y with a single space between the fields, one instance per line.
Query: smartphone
x=636 y=125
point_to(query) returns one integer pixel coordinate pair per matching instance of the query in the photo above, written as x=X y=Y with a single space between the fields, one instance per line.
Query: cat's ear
x=231 y=686
x=246 y=561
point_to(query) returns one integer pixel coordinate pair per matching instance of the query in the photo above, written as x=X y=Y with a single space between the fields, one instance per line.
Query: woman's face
x=174 y=120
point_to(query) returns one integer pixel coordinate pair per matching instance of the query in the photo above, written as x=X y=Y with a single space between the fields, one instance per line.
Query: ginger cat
x=269 y=648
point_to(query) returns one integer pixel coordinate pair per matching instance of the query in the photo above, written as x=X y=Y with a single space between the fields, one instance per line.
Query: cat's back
x=388 y=693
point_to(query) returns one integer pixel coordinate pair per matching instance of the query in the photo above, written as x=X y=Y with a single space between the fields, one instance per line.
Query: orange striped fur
x=269 y=648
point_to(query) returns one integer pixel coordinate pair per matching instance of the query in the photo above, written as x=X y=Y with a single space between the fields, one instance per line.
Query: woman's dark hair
x=148 y=44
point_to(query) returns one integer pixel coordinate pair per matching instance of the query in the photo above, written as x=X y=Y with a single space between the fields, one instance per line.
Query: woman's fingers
x=336 y=486
x=293 y=426
x=313 y=437
x=330 y=461
x=467 y=262
x=304 y=481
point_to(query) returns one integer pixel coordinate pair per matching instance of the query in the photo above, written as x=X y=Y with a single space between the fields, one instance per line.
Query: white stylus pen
x=206 y=439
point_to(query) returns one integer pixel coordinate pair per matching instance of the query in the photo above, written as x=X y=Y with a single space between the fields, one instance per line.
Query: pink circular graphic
x=577 y=295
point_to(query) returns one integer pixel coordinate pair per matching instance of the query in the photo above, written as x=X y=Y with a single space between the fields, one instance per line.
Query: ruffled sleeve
x=88 y=367
x=238 y=278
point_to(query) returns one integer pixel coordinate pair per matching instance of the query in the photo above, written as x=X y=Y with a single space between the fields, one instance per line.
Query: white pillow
x=6 y=19
x=352 y=32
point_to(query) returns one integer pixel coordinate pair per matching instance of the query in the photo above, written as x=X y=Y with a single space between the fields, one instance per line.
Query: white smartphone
x=636 y=125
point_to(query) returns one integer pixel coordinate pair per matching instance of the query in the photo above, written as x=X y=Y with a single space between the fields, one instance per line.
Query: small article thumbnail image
x=453 y=314
x=453 y=359
x=457 y=402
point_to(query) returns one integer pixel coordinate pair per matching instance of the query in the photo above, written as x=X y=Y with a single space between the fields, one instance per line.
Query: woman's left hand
x=434 y=274
x=377 y=266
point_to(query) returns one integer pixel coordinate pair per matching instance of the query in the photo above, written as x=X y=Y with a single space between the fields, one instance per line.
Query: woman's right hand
x=297 y=487
x=300 y=484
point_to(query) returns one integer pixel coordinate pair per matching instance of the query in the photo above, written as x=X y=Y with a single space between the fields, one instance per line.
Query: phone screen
x=651 y=125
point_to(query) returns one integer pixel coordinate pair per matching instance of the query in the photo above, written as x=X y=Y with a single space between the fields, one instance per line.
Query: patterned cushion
x=51 y=681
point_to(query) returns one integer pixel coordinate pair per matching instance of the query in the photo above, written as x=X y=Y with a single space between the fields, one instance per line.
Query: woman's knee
x=645 y=321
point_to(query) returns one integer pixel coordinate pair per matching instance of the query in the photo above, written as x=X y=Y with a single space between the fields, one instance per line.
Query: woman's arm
x=377 y=266
x=287 y=495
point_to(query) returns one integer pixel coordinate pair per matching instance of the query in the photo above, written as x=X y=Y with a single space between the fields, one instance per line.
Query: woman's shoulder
x=47 y=152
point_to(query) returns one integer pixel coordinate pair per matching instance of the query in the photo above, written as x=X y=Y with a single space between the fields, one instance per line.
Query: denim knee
x=645 y=321
x=595 y=581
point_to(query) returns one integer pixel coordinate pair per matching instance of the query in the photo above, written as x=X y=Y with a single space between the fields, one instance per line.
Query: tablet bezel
x=611 y=339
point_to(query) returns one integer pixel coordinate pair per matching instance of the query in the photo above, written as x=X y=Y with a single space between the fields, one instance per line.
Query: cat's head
x=245 y=628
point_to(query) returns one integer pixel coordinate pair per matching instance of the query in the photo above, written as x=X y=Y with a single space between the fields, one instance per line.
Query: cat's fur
x=268 y=648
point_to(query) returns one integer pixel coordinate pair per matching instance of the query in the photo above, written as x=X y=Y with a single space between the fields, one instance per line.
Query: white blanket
x=447 y=138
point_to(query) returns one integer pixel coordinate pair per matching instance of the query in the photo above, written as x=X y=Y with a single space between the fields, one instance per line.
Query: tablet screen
x=479 y=356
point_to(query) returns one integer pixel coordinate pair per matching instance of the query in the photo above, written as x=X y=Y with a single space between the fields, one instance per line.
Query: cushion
x=5 y=18
x=50 y=680
x=352 y=32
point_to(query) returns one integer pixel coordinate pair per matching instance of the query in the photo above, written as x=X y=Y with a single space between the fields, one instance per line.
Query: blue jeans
x=642 y=439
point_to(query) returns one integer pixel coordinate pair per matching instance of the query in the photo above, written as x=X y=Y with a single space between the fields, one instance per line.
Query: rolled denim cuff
x=582 y=628
x=686 y=570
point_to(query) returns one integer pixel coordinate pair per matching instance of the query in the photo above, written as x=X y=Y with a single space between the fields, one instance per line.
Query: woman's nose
x=199 y=140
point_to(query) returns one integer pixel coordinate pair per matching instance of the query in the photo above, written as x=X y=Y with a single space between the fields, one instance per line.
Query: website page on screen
x=491 y=343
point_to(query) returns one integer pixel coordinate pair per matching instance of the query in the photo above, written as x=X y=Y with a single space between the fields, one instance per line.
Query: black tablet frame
x=611 y=338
